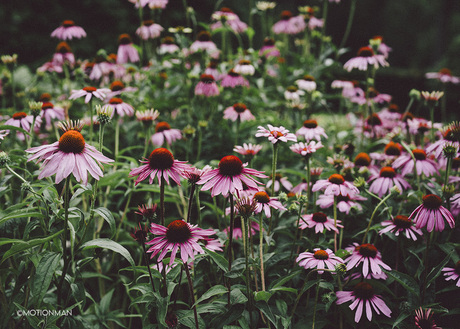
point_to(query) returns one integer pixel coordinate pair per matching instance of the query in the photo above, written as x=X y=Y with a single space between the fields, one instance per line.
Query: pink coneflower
x=147 y=117
x=161 y=163
x=238 y=111
x=307 y=83
x=207 y=86
x=164 y=132
x=212 y=244
x=147 y=211
x=292 y=93
x=455 y=204
x=369 y=256
x=424 y=319
x=204 y=43
x=120 y=107
x=392 y=150
x=168 y=46
x=450 y=136
x=89 y=92
x=401 y=224
x=63 y=54
x=379 y=46
x=344 y=203
x=177 y=235
x=264 y=203
x=279 y=181
x=230 y=177
x=50 y=67
x=431 y=214
x=24 y=121
x=51 y=113
x=69 y=155
x=342 y=84
x=452 y=273
x=237 y=230
x=126 y=51
x=432 y=97
x=335 y=185
x=68 y=30
x=117 y=87
x=157 y=4
x=383 y=181
x=310 y=130
x=289 y=24
x=269 y=49
x=364 y=299
x=244 y=67
x=149 y=30
x=444 y=75
x=306 y=149
x=319 y=221
x=211 y=69
x=422 y=163
x=248 y=150
x=233 y=79
x=318 y=259
x=227 y=16
x=276 y=134
x=365 y=58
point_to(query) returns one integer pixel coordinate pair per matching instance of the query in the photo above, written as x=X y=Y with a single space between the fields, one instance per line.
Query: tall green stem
x=261 y=250
x=192 y=294
x=335 y=223
x=64 y=239
x=190 y=202
x=117 y=138
x=382 y=201
x=90 y=104
x=349 y=24
x=230 y=244
x=162 y=201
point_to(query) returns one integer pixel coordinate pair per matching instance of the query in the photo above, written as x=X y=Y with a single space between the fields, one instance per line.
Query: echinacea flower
x=264 y=203
x=276 y=134
x=401 y=224
x=344 y=203
x=248 y=149
x=319 y=221
x=289 y=24
x=431 y=214
x=383 y=181
x=335 y=185
x=204 y=43
x=229 y=177
x=120 y=107
x=207 y=86
x=51 y=113
x=453 y=273
x=230 y=18
x=444 y=75
x=379 y=46
x=238 y=231
x=279 y=181
x=163 y=132
x=424 y=319
x=306 y=149
x=244 y=67
x=22 y=120
x=68 y=30
x=366 y=57
x=234 y=79
x=455 y=204
x=147 y=211
x=307 y=83
x=69 y=155
x=140 y=233
x=310 y=130
x=63 y=55
x=364 y=299
x=212 y=244
x=432 y=97
x=161 y=164
x=89 y=92
x=369 y=256
x=126 y=52
x=147 y=116
x=149 y=30
x=422 y=163
x=450 y=136
x=269 y=49
x=318 y=259
x=177 y=235
x=238 y=111
x=167 y=46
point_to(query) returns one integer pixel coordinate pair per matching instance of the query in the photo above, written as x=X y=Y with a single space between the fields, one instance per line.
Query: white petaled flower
x=244 y=67
x=366 y=57
x=276 y=134
x=305 y=149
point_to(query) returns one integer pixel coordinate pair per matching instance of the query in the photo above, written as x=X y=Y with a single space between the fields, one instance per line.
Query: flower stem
x=190 y=202
x=192 y=294
x=230 y=244
x=335 y=222
x=64 y=240
x=261 y=250
x=316 y=303
x=117 y=138
x=146 y=259
x=162 y=201
x=349 y=24
x=247 y=236
x=90 y=104
x=382 y=201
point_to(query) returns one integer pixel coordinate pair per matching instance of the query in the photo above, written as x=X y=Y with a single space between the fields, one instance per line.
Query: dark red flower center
x=276 y=133
x=45 y=97
x=393 y=149
x=204 y=36
x=68 y=23
x=117 y=85
x=432 y=201
x=455 y=163
x=285 y=15
x=19 y=115
x=115 y=100
x=292 y=89
x=244 y=62
x=363 y=291
x=319 y=217
x=168 y=40
x=419 y=154
x=308 y=77
x=47 y=105
x=453 y=132
x=162 y=126
x=365 y=52
x=207 y=78
x=372 y=92
x=89 y=89
x=226 y=10
x=387 y=172
x=394 y=108
x=232 y=73
x=445 y=71
x=148 y=22
x=457 y=267
x=262 y=197
x=178 y=232
x=230 y=165
x=336 y=179
x=374 y=120
x=362 y=159
x=239 y=107
x=402 y=222
x=344 y=198
x=124 y=39
x=72 y=141
x=310 y=124
x=161 y=159
x=367 y=250
x=63 y=48
x=321 y=254
x=408 y=116
x=426 y=323
x=377 y=38
x=269 y=42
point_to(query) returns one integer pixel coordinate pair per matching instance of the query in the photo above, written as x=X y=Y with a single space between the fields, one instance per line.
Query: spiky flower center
x=204 y=36
x=402 y=222
x=393 y=149
x=374 y=120
x=115 y=101
x=168 y=40
x=117 y=85
x=262 y=197
x=432 y=201
x=230 y=165
x=89 y=89
x=387 y=172
x=344 y=198
x=45 y=97
x=276 y=133
x=72 y=141
x=244 y=62
x=394 y=108
x=363 y=291
x=68 y=23
x=124 y=39
x=453 y=132
x=310 y=124
x=319 y=217
x=19 y=115
x=367 y=250
x=207 y=78
x=47 y=105
x=285 y=15
x=365 y=52
x=362 y=159
x=336 y=179
x=269 y=42
x=226 y=10
x=178 y=232
x=372 y=92
x=63 y=48
x=419 y=154
x=321 y=254
x=148 y=22
x=445 y=71
x=292 y=89
x=308 y=77
x=161 y=159
x=233 y=74
x=162 y=126
x=239 y=107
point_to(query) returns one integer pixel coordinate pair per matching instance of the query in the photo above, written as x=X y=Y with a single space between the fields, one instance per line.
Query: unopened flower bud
x=283 y=197
x=26 y=186
x=104 y=114
x=35 y=108
x=395 y=190
x=4 y=159
x=359 y=182
x=9 y=59
x=448 y=190
x=189 y=131
x=415 y=94
x=203 y=123
x=293 y=208
x=449 y=150
x=341 y=268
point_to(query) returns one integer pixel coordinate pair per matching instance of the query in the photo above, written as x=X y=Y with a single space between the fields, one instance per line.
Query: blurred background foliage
x=423 y=34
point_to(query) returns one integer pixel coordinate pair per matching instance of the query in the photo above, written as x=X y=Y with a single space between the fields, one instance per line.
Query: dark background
x=423 y=34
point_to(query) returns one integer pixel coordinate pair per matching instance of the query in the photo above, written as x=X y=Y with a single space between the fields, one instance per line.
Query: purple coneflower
x=377 y=44
x=237 y=230
x=307 y=83
x=364 y=299
x=264 y=202
x=455 y=204
x=293 y=94
x=89 y=92
x=306 y=149
x=168 y=46
x=335 y=185
x=234 y=79
x=450 y=136
x=369 y=256
x=68 y=30
x=401 y=224
x=149 y=30
x=344 y=203
x=422 y=163
x=229 y=17
x=177 y=235
x=212 y=244
x=244 y=67
x=366 y=57
x=147 y=116
x=207 y=86
x=69 y=155
x=63 y=54
x=424 y=319
x=204 y=43
x=289 y=24
x=319 y=221
x=318 y=259
x=453 y=273
x=238 y=111
x=276 y=134
x=120 y=107
x=431 y=214
x=22 y=120
x=444 y=75
x=383 y=181
x=279 y=181
x=310 y=130
x=164 y=132
x=126 y=51
x=147 y=211
x=51 y=113
x=211 y=69
x=269 y=49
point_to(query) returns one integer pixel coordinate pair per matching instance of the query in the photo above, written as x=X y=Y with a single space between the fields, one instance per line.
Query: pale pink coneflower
x=379 y=46
x=279 y=181
x=126 y=52
x=89 y=92
x=63 y=55
x=50 y=67
x=238 y=111
x=314 y=23
x=432 y=97
x=424 y=319
x=161 y=164
x=203 y=43
x=212 y=69
x=342 y=84
x=157 y=4
x=452 y=273
x=431 y=214
x=307 y=83
x=51 y=113
x=265 y=203
x=207 y=86
x=237 y=230
x=193 y=174
x=310 y=130
x=319 y=221
x=147 y=116
x=244 y=67
x=211 y=244
x=230 y=18
x=344 y=203
x=444 y=75
x=248 y=150
x=292 y=93
x=289 y=24
x=120 y=107
x=68 y=30
x=276 y=134
x=163 y=132
x=71 y=154
x=306 y=149
x=233 y=79
x=366 y=57
x=318 y=259
x=229 y=177
x=149 y=30
x=117 y=87
x=177 y=235
x=367 y=255
x=24 y=121
x=364 y=299
x=383 y=181
x=401 y=224
x=455 y=204
x=450 y=136
x=422 y=164
x=335 y=185
x=167 y=46
x=269 y=49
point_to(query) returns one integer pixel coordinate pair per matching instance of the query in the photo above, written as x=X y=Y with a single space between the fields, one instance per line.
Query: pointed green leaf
x=109 y=244
x=213 y=291
x=44 y=275
x=108 y=217
x=218 y=259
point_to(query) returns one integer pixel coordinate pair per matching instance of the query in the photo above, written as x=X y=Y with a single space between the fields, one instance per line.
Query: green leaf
x=105 y=301
x=265 y=309
x=44 y=275
x=285 y=279
x=21 y=213
x=108 y=217
x=218 y=259
x=262 y=295
x=237 y=297
x=435 y=272
x=405 y=280
x=213 y=291
x=8 y=127
x=109 y=244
